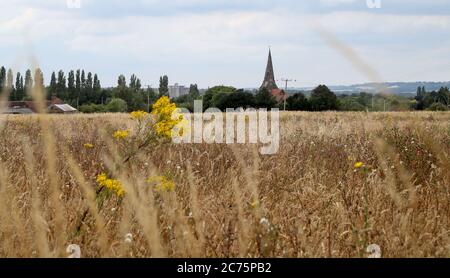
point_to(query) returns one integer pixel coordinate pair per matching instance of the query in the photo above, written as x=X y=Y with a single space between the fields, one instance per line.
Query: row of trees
x=83 y=90
x=435 y=100
x=223 y=97
x=18 y=85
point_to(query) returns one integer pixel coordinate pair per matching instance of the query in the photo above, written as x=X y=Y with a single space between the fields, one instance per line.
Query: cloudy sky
x=212 y=42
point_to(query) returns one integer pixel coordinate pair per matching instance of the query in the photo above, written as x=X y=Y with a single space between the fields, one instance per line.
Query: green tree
x=297 y=102
x=238 y=99
x=78 y=88
x=89 y=89
x=71 y=89
x=2 y=77
x=10 y=79
x=28 y=82
x=20 y=90
x=322 y=99
x=211 y=92
x=135 y=83
x=437 y=106
x=264 y=99
x=83 y=80
x=61 y=90
x=53 y=89
x=93 y=108
x=350 y=104
x=117 y=105
x=164 y=86
x=136 y=95
x=194 y=93
x=39 y=80
x=122 y=82
x=97 y=89
x=443 y=96
x=131 y=95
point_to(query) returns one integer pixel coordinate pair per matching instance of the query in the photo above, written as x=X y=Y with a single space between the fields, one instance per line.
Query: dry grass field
x=308 y=200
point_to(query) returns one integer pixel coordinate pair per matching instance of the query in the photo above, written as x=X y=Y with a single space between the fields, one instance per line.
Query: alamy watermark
x=73 y=4
x=235 y=126
x=373 y=4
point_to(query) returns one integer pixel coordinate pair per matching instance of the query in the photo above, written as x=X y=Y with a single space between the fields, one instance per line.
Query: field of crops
x=339 y=183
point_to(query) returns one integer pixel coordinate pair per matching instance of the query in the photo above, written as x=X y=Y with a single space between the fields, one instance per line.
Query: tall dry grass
x=306 y=201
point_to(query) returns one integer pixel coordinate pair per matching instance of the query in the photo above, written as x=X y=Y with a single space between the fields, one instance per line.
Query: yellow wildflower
x=111 y=184
x=359 y=165
x=88 y=146
x=121 y=134
x=167 y=117
x=255 y=204
x=138 y=115
x=162 y=184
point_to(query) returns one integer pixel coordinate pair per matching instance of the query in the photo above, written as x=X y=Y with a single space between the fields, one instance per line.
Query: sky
x=225 y=42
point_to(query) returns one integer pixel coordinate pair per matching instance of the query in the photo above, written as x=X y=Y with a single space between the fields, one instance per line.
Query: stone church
x=269 y=81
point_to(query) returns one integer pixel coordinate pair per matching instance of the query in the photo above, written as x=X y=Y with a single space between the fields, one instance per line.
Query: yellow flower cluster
x=167 y=117
x=121 y=134
x=138 y=115
x=88 y=146
x=162 y=184
x=359 y=165
x=112 y=185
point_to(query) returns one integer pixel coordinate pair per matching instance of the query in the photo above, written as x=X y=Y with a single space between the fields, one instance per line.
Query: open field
x=308 y=200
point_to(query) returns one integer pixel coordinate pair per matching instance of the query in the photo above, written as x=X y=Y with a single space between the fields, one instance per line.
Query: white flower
x=374 y=250
x=74 y=250
x=128 y=238
x=264 y=221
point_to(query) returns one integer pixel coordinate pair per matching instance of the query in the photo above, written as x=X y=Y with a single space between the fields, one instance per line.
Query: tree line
x=223 y=97
x=434 y=100
x=320 y=98
x=83 y=90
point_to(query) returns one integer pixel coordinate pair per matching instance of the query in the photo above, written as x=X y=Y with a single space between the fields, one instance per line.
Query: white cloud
x=204 y=46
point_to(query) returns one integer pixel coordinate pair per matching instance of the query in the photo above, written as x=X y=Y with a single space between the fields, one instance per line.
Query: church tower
x=269 y=78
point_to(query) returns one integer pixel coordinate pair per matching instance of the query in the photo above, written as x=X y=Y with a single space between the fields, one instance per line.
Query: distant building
x=270 y=84
x=61 y=109
x=55 y=105
x=178 y=91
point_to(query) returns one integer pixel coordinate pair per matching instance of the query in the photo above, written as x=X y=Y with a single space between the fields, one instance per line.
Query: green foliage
x=61 y=88
x=39 y=79
x=2 y=77
x=424 y=100
x=10 y=79
x=133 y=95
x=194 y=93
x=297 y=102
x=350 y=104
x=163 y=86
x=234 y=100
x=53 y=88
x=437 y=106
x=93 y=108
x=19 y=93
x=117 y=105
x=264 y=99
x=187 y=101
x=322 y=99
x=211 y=92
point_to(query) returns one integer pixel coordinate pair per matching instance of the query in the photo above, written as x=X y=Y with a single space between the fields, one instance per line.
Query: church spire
x=269 y=78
